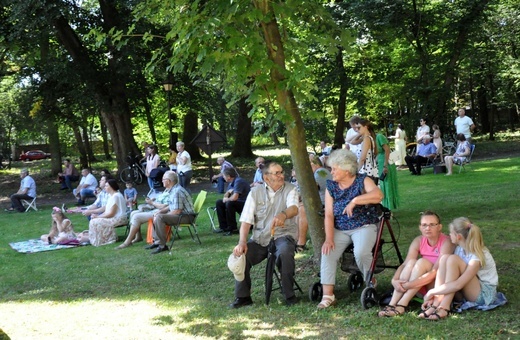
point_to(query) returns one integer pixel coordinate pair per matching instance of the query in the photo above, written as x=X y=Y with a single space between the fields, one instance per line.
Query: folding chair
x=212 y=211
x=197 y=206
x=29 y=205
x=127 y=224
x=468 y=159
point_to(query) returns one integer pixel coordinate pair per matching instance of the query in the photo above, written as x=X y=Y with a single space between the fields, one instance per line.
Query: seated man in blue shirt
x=232 y=202
x=425 y=151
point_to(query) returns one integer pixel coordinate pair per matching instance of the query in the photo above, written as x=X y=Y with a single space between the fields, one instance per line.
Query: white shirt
x=463 y=125
x=353 y=147
x=183 y=167
x=29 y=184
x=487 y=274
x=89 y=180
x=422 y=131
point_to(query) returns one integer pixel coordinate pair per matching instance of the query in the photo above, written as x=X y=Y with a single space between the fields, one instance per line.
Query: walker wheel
x=369 y=297
x=355 y=281
x=315 y=292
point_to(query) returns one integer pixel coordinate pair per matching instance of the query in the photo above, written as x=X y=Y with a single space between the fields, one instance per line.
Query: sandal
x=391 y=311
x=423 y=313
x=327 y=301
x=436 y=316
x=123 y=246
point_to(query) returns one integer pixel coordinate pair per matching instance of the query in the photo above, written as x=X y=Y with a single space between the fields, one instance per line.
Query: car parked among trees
x=33 y=155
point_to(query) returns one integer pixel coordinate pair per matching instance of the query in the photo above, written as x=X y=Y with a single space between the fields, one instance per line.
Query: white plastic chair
x=29 y=205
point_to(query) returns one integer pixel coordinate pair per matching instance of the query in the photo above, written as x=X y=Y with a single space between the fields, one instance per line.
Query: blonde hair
x=472 y=235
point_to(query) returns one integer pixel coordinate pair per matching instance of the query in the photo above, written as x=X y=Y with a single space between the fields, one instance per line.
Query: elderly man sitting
x=179 y=210
x=152 y=207
x=27 y=191
x=271 y=205
x=424 y=152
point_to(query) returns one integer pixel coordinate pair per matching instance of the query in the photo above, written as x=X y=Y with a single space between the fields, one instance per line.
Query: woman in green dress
x=387 y=173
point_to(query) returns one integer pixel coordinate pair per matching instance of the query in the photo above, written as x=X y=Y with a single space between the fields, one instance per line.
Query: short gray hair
x=24 y=171
x=343 y=159
x=172 y=176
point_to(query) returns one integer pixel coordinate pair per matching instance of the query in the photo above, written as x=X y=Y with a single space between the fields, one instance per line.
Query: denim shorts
x=487 y=294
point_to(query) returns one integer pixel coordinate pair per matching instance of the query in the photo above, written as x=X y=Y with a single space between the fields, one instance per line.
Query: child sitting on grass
x=61 y=229
x=470 y=270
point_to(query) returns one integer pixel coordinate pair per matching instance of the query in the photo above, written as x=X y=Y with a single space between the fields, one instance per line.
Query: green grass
x=90 y=292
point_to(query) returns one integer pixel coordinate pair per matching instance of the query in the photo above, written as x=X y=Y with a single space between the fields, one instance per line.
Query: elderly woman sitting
x=348 y=219
x=463 y=151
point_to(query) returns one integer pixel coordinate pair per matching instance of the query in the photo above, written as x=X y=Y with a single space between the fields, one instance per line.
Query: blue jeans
x=221 y=185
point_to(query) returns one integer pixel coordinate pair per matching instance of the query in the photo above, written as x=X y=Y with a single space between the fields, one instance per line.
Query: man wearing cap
x=424 y=152
x=27 y=191
x=271 y=205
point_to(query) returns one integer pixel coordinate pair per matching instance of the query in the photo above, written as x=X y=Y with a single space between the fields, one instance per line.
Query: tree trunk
x=191 y=121
x=109 y=91
x=54 y=146
x=242 y=146
x=295 y=130
x=465 y=26
x=339 y=137
x=83 y=160
x=88 y=147
x=104 y=135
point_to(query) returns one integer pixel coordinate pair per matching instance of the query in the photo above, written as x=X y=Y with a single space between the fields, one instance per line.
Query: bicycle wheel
x=126 y=175
x=138 y=177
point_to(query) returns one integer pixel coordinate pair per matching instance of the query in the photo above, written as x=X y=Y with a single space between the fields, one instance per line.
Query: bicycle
x=134 y=172
x=450 y=145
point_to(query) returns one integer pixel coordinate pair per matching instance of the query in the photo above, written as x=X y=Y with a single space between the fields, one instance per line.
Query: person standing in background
x=464 y=124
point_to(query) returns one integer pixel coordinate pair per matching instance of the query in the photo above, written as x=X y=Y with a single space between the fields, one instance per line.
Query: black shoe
x=152 y=246
x=231 y=232
x=241 y=302
x=159 y=250
x=219 y=231
x=63 y=188
x=292 y=301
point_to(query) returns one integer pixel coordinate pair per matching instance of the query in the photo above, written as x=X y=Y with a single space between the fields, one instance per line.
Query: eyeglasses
x=276 y=173
x=431 y=225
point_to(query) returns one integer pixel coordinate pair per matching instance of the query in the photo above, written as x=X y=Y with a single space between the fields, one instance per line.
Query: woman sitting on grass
x=470 y=270
x=61 y=229
x=417 y=275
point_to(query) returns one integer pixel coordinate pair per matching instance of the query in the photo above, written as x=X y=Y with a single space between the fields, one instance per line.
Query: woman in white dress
x=400 y=144
x=101 y=229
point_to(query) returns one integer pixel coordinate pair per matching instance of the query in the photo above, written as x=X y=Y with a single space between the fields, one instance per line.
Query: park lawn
x=101 y=293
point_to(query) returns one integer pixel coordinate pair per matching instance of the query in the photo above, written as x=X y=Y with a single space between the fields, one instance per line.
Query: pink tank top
x=431 y=253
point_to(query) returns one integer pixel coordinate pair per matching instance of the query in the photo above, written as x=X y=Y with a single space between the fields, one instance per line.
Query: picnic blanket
x=36 y=246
